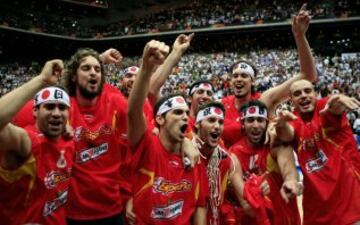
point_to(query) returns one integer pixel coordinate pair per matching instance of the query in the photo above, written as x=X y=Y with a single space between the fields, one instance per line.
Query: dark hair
x=73 y=64
x=248 y=104
x=197 y=83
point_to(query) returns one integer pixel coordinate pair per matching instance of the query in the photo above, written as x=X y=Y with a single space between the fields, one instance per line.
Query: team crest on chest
x=61 y=162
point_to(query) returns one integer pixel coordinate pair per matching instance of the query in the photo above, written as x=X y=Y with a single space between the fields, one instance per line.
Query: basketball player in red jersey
x=243 y=75
x=276 y=165
x=327 y=154
x=221 y=167
x=35 y=162
x=164 y=192
x=98 y=117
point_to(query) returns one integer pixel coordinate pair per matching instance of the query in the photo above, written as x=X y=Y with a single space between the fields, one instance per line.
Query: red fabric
x=259 y=161
x=329 y=160
x=191 y=126
x=162 y=187
x=225 y=168
x=22 y=203
x=125 y=168
x=25 y=116
x=100 y=136
x=254 y=196
x=232 y=123
x=109 y=88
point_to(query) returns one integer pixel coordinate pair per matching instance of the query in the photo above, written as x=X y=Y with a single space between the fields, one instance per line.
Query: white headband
x=209 y=111
x=254 y=111
x=52 y=94
x=131 y=70
x=244 y=68
x=204 y=86
x=176 y=102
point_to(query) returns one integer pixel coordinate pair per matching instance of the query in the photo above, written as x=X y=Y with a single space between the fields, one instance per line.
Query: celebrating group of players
x=95 y=155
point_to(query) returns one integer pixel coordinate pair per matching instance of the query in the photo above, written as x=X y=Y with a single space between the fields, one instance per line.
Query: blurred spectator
x=55 y=19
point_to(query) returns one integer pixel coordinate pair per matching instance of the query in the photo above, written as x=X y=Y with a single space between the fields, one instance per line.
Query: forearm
x=286 y=162
x=236 y=179
x=14 y=139
x=12 y=102
x=307 y=63
x=139 y=92
x=136 y=124
x=199 y=216
x=163 y=72
x=285 y=133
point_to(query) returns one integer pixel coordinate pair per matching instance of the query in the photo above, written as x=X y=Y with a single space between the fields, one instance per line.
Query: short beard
x=90 y=95
x=261 y=142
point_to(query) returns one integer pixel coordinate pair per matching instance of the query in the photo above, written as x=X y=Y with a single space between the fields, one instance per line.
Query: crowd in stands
x=197 y=14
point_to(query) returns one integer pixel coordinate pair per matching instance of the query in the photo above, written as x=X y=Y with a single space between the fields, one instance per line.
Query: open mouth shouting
x=183 y=129
x=93 y=84
x=305 y=104
x=239 y=87
x=213 y=138
x=55 y=125
x=256 y=135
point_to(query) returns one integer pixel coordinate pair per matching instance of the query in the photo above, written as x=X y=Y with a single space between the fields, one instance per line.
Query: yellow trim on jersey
x=224 y=185
x=28 y=168
x=150 y=183
x=197 y=191
x=271 y=164
x=114 y=120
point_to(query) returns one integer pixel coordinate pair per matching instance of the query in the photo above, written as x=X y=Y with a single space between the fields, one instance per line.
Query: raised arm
x=300 y=25
x=14 y=138
x=286 y=161
x=111 y=56
x=284 y=131
x=154 y=54
x=180 y=45
x=337 y=104
x=199 y=217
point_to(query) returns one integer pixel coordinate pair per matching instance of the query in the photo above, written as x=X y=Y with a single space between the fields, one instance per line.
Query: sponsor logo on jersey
x=53 y=178
x=53 y=205
x=168 y=212
x=316 y=163
x=165 y=187
x=310 y=144
x=91 y=153
x=84 y=134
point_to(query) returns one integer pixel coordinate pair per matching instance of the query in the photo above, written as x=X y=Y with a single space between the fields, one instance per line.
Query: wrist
x=299 y=35
x=292 y=178
x=146 y=70
x=43 y=81
x=178 y=50
x=101 y=57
